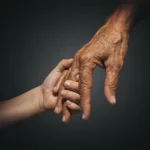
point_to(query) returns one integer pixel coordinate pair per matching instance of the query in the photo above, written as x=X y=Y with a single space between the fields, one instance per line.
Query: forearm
x=128 y=13
x=20 y=107
x=124 y=14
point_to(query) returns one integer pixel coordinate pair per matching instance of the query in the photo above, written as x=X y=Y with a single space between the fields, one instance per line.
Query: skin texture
x=107 y=52
x=107 y=49
x=41 y=98
x=50 y=96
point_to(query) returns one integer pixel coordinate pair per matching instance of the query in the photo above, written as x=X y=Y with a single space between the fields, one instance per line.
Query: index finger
x=85 y=85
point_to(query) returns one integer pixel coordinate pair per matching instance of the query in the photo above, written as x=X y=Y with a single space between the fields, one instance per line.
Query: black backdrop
x=35 y=36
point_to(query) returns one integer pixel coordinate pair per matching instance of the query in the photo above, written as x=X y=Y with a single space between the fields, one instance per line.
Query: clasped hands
x=72 y=79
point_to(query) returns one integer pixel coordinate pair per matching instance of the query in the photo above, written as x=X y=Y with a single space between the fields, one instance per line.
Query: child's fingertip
x=68 y=102
x=64 y=119
x=67 y=83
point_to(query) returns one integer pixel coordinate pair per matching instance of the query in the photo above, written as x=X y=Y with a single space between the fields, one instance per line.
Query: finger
x=59 y=107
x=63 y=65
x=73 y=107
x=72 y=76
x=77 y=78
x=85 y=85
x=74 y=69
x=111 y=81
x=66 y=113
x=61 y=68
x=72 y=86
x=72 y=96
x=58 y=85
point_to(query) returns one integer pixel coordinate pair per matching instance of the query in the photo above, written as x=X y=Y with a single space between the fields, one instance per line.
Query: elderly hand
x=106 y=49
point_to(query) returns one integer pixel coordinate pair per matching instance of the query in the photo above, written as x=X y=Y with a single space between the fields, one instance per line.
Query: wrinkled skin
x=106 y=49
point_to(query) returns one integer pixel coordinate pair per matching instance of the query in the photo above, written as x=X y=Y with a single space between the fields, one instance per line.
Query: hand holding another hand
x=106 y=49
x=50 y=95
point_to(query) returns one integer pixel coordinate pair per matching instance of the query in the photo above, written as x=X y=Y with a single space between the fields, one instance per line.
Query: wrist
x=120 y=31
x=123 y=17
x=39 y=99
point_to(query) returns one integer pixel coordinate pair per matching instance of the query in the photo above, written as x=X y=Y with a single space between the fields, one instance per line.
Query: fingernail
x=64 y=119
x=67 y=83
x=63 y=92
x=68 y=102
x=56 y=110
x=54 y=89
x=70 y=58
x=83 y=116
x=113 y=99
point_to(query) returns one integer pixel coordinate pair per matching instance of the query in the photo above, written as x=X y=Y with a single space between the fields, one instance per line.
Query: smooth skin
x=107 y=49
x=41 y=98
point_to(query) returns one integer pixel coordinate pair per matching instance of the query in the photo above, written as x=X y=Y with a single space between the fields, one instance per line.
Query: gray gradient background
x=35 y=36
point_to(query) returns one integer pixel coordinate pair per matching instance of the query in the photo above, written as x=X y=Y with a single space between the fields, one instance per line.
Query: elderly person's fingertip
x=63 y=119
x=84 y=117
x=113 y=100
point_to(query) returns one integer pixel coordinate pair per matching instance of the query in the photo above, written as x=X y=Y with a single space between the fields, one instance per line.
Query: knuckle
x=112 y=85
x=120 y=64
x=83 y=58
x=77 y=55
x=74 y=72
x=114 y=63
x=92 y=64
x=116 y=67
x=84 y=87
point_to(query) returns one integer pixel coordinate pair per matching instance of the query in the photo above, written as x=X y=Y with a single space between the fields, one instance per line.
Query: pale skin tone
x=107 y=49
x=41 y=98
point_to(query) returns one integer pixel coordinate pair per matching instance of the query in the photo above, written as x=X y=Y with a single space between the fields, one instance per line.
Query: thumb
x=111 y=81
x=60 y=70
x=63 y=65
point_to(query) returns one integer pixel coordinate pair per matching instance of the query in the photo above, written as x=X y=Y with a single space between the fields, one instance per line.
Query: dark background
x=35 y=36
